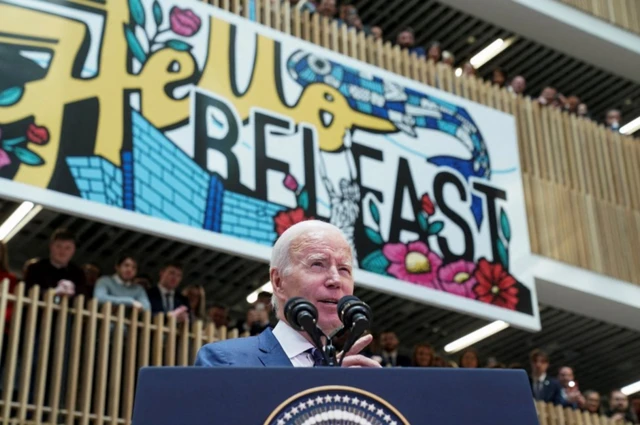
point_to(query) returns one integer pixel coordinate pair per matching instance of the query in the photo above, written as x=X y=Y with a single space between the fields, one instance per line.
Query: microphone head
x=295 y=308
x=351 y=306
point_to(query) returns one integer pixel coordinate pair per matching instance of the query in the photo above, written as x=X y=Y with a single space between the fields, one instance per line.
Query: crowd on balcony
x=347 y=14
x=127 y=286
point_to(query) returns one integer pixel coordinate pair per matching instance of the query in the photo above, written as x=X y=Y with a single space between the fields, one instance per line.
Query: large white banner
x=228 y=132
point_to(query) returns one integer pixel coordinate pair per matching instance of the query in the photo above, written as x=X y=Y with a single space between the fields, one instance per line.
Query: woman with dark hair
x=423 y=355
x=469 y=358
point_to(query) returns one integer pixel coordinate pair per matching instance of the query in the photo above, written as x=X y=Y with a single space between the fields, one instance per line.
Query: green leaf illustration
x=134 y=45
x=504 y=255
x=10 y=96
x=504 y=223
x=375 y=262
x=137 y=12
x=28 y=157
x=375 y=213
x=178 y=45
x=373 y=236
x=422 y=221
x=303 y=199
x=157 y=13
x=435 y=228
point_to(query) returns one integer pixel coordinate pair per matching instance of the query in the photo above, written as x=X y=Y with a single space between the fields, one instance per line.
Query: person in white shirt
x=312 y=259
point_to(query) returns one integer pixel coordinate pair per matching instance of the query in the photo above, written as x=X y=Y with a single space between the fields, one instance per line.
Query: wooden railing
x=582 y=182
x=76 y=364
x=623 y=13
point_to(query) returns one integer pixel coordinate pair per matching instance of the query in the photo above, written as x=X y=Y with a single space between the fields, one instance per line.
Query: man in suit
x=311 y=259
x=544 y=387
x=390 y=356
x=164 y=298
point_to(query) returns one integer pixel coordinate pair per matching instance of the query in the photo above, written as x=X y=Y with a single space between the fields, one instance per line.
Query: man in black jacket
x=390 y=356
x=544 y=387
x=164 y=298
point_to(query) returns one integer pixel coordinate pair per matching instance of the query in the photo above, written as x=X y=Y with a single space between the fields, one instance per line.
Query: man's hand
x=618 y=417
x=181 y=314
x=354 y=359
x=136 y=304
x=65 y=287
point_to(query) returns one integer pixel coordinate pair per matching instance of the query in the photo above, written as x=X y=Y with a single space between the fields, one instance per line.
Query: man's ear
x=276 y=281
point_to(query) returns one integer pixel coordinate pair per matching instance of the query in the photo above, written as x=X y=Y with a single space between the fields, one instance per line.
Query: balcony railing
x=77 y=363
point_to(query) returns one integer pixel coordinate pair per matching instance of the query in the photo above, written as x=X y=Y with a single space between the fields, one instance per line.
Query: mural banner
x=229 y=131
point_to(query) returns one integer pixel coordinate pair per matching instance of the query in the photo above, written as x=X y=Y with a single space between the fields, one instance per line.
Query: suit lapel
x=271 y=352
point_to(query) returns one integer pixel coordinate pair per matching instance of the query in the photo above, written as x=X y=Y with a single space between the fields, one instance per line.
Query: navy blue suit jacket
x=551 y=391
x=254 y=351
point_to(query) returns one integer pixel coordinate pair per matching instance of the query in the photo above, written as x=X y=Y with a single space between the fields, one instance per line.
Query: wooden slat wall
x=623 y=13
x=562 y=157
x=103 y=391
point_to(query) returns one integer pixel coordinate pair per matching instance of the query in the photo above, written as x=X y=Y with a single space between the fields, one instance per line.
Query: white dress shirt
x=294 y=345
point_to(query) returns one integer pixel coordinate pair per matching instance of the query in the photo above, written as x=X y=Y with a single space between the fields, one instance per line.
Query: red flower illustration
x=427 y=205
x=37 y=134
x=286 y=219
x=184 y=22
x=495 y=285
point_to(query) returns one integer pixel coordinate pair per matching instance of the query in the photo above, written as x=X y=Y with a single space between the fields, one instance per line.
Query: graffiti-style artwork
x=188 y=114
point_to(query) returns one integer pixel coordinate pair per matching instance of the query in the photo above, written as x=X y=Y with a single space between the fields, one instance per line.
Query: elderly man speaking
x=311 y=259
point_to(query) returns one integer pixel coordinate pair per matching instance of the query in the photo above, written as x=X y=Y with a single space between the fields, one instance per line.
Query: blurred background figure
x=423 y=355
x=469 y=358
x=197 y=304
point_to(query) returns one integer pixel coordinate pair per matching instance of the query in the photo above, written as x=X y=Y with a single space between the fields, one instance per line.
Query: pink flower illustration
x=184 y=22
x=457 y=278
x=290 y=183
x=413 y=263
x=4 y=159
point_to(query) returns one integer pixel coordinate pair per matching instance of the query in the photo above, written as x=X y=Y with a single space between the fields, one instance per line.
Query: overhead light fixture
x=631 y=127
x=631 y=389
x=253 y=297
x=458 y=72
x=16 y=221
x=475 y=336
x=491 y=51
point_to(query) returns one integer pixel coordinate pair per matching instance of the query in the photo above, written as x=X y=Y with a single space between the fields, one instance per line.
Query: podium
x=324 y=396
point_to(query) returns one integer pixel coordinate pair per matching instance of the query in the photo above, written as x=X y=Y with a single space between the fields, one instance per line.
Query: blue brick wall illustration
x=168 y=183
x=97 y=179
x=249 y=218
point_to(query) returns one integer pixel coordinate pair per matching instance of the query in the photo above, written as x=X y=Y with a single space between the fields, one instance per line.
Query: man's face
x=565 y=375
x=613 y=117
x=127 y=270
x=218 y=316
x=549 y=94
x=170 y=277
x=539 y=365
x=320 y=271
x=389 y=341
x=376 y=32
x=328 y=8
x=519 y=84
x=406 y=39
x=618 y=402
x=61 y=252
x=593 y=402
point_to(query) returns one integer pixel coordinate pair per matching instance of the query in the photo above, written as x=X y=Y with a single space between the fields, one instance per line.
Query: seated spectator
x=592 y=402
x=57 y=271
x=518 y=85
x=119 y=288
x=570 y=392
x=448 y=58
x=196 y=296
x=548 y=97
x=423 y=355
x=164 y=298
x=613 y=119
x=619 y=409
x=406 y=39
x=435 y=52
x=218 y=314
x=499 y=77
x=543 y=387
x=390 y=357
x=469 y=358
x=376 y=32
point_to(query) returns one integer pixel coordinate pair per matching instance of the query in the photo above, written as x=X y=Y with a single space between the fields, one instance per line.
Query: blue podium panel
x=332 y=396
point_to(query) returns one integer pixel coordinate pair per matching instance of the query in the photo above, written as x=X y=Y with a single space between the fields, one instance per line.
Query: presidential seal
x=332 y=405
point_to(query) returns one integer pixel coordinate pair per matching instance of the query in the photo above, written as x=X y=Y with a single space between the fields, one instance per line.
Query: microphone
x=356 y=316
x=303 y=316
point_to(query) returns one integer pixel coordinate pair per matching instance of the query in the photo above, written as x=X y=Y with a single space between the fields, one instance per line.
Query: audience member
x=518 y=85
x=91 y=274
x=257 y=320
x=499 y=77
x=448 y=58
x=468 y=69
x=197 y=305
x=303 y=5
x=57 y=271
x=435 y=52
x=143 y=280
x=164 y=298
x=613 y=119
x=327 y=8
x=390 y=357
x=439 y=361
x=583 y=111
x=406 y=39
x=218 y=315
x=592 y=401
x=570 y=392
x=469 y=358
x=548 y=96
x=119 y=288
x=571 y=104
x=376 y=32
x=423 y=355
x=544 y=387
x=619 y=409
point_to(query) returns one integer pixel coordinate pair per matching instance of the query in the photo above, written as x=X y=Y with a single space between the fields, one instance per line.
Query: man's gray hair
x=281 y=252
